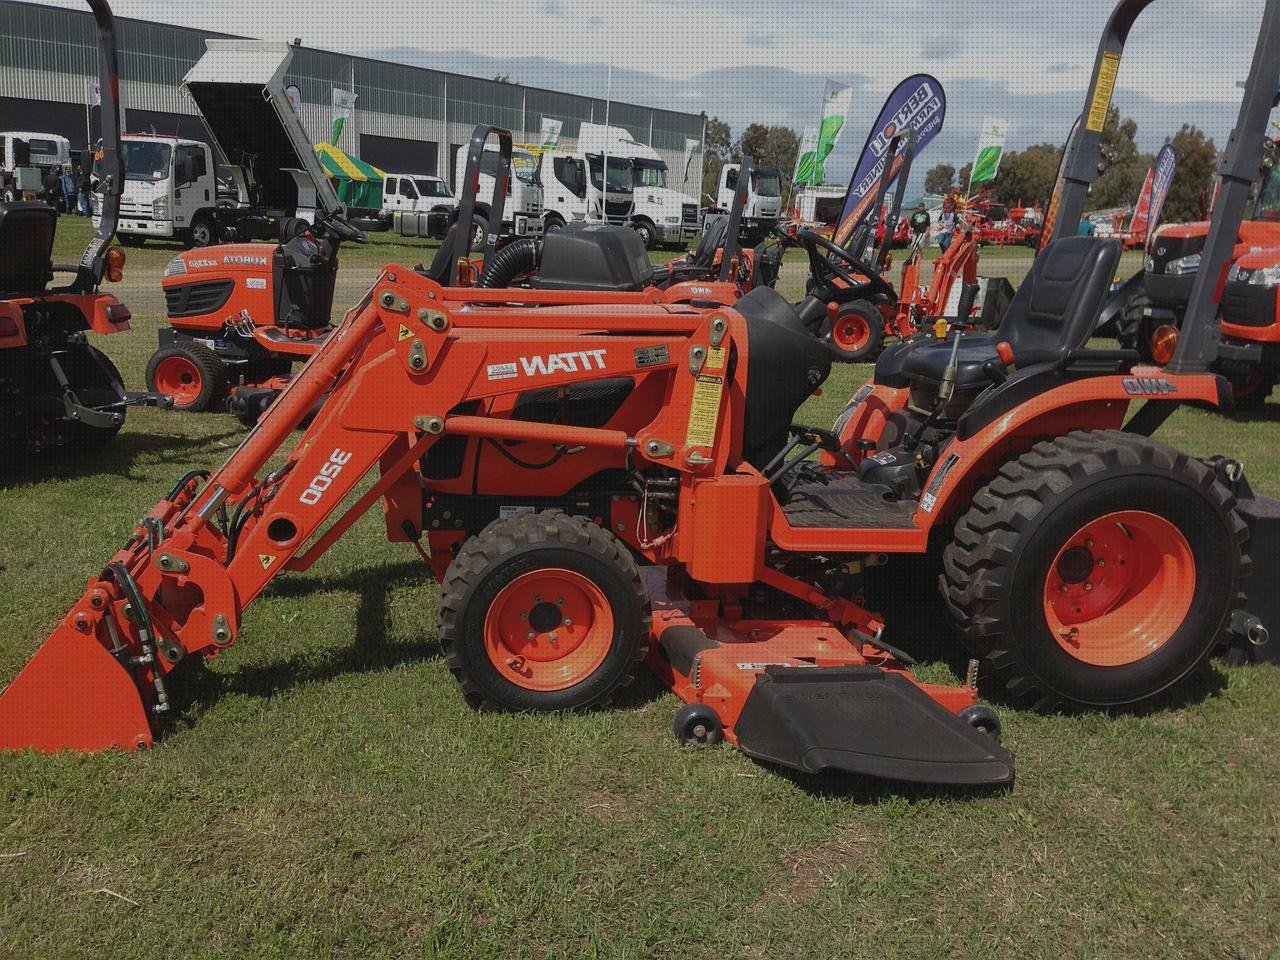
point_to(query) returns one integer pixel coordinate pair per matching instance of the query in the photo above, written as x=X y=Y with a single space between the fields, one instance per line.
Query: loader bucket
x=73 y=695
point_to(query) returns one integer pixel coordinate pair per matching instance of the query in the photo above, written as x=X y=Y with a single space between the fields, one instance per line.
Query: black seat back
x=1056 y=308
x=26 y=247
x=715 y=229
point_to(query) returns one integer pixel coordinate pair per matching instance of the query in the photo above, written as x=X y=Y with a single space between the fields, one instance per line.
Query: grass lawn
x=331 y=794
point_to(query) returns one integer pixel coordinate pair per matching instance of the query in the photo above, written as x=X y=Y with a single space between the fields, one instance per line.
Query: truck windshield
x=619 y=173
x=525 y=166
x=146 y=161
x=649 y=173
x=1266 y=206
x=766 y=183
x=432 y=188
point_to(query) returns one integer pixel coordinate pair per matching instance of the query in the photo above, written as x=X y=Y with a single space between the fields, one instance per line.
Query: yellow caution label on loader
x=1108 y=70
x=266 y=560
x=715 y=358
x=405 y=334
x=704 y=411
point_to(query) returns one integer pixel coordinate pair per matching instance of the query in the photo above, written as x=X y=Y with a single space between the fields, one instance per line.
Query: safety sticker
x=652 y=356
x=255 y=283
x=1108 y=70
x=704 y=411
x=266 y=560
x=510 y=512
x=715 y=358
x=405 y=334
x=502 y=371
x=930 y=498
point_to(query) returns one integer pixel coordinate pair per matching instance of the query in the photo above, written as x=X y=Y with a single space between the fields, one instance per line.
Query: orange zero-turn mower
x=56 y=388
x=596 y=485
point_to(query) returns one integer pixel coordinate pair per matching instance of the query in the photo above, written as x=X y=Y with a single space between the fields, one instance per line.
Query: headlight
x=673 y=219
x=1266 y=277
x=177 y=267
x=160 y=208
x=1184 y=266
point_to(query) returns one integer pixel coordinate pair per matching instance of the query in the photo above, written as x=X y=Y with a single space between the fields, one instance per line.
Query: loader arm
x=389 y=376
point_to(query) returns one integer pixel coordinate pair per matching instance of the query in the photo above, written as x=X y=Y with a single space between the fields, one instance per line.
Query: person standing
x=947 y=223
x=920 y=221
x=67 y=182
x=52 y=188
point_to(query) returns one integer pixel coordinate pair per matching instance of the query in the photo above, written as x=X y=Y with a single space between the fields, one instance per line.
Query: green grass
x=331 y=794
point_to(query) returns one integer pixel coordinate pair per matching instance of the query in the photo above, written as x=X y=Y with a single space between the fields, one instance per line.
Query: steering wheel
x=824 y=270
x=338 y=226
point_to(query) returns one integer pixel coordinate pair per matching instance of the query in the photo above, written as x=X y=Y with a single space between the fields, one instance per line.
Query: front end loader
x=599 y=484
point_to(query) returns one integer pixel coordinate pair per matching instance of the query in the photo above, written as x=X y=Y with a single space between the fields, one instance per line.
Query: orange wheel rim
x=548 y=630
x=851 y=332
x=179 y=378
x=1120 y=588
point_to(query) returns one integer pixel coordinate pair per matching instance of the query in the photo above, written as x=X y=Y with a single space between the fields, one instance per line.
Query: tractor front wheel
x=189 y=372
x=1097 y=571
x=857 y=333
x=543 y=611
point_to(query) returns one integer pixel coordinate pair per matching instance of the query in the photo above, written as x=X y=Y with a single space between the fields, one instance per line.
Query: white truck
x=25 y=158
x=271 y=176
x=764 y=200
x=575 y=186
x=661 y=215
x=418 y=205
x=523 y=214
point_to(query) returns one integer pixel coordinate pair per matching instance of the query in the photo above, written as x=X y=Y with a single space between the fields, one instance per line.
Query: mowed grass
x=329 y=793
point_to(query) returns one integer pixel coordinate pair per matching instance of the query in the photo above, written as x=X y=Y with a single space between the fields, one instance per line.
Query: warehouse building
x=406 y=119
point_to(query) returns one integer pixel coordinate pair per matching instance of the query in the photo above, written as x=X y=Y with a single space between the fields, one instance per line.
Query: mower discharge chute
x=58 y=388
x=599 y=482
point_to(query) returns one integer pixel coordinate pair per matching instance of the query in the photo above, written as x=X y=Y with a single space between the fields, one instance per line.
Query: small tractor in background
x=56 y=388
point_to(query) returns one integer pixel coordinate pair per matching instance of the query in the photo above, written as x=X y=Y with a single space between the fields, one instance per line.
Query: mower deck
x=800 y=694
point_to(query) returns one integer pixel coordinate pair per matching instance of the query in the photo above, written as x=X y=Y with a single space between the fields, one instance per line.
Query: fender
x=1096 y=403
x=13 y=327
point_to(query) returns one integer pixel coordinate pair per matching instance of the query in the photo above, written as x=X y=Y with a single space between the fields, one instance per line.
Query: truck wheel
x=479 y=229
x=189 y=372
x=551 y=224
x=857 y=335
x=648 y=233
x=201 y=233
x=9 y=196
x=544 y=611
x=131 y=239
x=1097 y=571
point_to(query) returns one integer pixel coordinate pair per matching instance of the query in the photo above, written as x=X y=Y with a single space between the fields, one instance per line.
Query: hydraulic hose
x=514 y=260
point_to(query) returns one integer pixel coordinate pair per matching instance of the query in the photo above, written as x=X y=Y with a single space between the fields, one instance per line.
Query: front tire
x=189 y=372
x=543 y=611
x=1097 y=571
x=648 y=233
x=201 y=233
x=857 y=334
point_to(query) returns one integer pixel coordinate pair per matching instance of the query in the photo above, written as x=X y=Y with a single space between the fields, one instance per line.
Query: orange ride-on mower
x=243 y=315
x=597 y=485
x=56 y=388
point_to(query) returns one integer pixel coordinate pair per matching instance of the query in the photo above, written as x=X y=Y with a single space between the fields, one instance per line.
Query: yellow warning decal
x=1108 y=70
x=405 y=334
x=715 y=358
x=266 y=560
x=704 y=411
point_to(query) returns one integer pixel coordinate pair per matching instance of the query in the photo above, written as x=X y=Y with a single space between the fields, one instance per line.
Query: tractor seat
x=26 y=247
x=1053 y=313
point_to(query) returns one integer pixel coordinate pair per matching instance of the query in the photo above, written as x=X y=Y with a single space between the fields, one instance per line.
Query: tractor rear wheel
x=189 y=372
x=1097 y=571
x=543 y=611
x=857 y=333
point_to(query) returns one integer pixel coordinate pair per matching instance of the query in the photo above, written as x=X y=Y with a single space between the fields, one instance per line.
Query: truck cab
x=170 y=191
x=523 y=214
x=764 y=200
x=25 y=158
x=419 y=196
x=576 y=188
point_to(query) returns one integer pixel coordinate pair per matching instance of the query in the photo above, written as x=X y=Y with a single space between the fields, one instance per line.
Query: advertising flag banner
x=837 y=98
x=986 y=162
x=550 y=134
x=344 y=102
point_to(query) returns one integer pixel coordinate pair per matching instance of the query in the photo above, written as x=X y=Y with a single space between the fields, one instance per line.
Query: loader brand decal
x=323 y=480
x=503 y=371
x=201 y=264
x=930 y=498
x=704 y=411
x=266 y=560
x=652 y=356
x=1148 y=386
x=573 y=362
x=405 y=334
x=243 y=260
x=256 y=283
x=700 y=291
x=1108 y=70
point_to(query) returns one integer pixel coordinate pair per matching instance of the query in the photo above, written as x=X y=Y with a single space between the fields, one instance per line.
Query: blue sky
x=1026 y=60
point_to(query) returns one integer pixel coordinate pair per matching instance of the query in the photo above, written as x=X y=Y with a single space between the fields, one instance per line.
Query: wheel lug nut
x=568 y=622
x=524 y=615
x=559 y=601
x=532 y=635
x=1088 y=587
x=1063 y=588
x=552 y=636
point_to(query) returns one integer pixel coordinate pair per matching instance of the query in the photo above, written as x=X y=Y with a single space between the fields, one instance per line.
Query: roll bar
x=733 y=240
x=471 y=186
x=93 y=262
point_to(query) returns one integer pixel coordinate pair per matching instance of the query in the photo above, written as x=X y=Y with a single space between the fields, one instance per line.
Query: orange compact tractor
x=55 y=387
x=599 y=480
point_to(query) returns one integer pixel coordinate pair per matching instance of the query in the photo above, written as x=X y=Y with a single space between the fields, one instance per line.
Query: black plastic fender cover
x=864 y=721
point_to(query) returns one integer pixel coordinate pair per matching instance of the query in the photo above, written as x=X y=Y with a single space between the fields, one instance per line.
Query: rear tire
x=525 y=576
x=551 y=224
x=189 y=372
x=1252 y=387
x=1026 y=579
x=479 y=230
x=201 y=234
x=857 y=334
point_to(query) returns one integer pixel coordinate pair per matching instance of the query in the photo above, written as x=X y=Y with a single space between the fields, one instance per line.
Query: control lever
x=998 y=369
